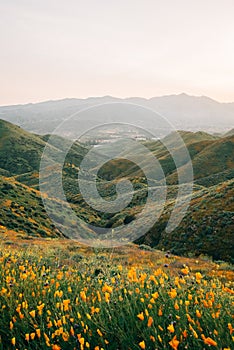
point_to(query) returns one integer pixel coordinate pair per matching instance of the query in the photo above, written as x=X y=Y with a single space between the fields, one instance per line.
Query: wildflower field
x=60 y=295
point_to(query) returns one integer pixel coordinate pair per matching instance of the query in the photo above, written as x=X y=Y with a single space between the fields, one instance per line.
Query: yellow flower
x=65 y=336
x=72 y=332
x=59 y=323
x=47 y=339
x=107 y=297
x=49 y=324
x=185 y=270
x=99 y=332
x=40 y=308
x=66 y=303
x=190 y=319
x=142 y=344
x=198 y=277
x=160 y=313
x=141 y=316
x=27 y=336
x=107 y=288
x=230 y=328
x=83 y=296
x=155 y=295
x=32 y=335
x=172 y=293
x=174 y=343
x=171 y=328
x=208 y=340
x=81 y=341
x=56 y=347
x=13 y=341
x=32 y=313
x=150 y=321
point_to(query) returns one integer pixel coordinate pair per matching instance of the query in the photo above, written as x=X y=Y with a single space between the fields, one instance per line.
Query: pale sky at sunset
x=51 y=49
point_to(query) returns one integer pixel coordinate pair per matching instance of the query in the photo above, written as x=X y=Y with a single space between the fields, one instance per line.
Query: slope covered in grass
x=207 y=227
x=22 y=210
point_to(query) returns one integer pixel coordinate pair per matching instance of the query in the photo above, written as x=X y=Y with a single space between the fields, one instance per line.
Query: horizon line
x=114 y=97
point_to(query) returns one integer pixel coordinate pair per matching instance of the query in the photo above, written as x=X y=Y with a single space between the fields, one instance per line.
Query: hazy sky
x=51 y=49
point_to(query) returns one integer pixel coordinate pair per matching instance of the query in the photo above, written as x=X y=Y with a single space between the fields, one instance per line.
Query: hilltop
x=230 y=133
x=183 y=111
x=21 y=151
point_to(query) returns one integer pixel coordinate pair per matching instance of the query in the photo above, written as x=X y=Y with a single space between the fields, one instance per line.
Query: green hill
x=211 y=159
x=210 y=156
x=206 y=229
x=22 y=210
x=20 y=151
x=189 y=137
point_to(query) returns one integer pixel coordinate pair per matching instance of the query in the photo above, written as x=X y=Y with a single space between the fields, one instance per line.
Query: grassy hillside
x=206 y=229
x=22 y=210
x=20 y=151
x=210 y=159
x=195 y=143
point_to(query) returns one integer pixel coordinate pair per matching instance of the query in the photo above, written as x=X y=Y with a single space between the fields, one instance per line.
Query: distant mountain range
x=183 y=111
x=207 y=227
